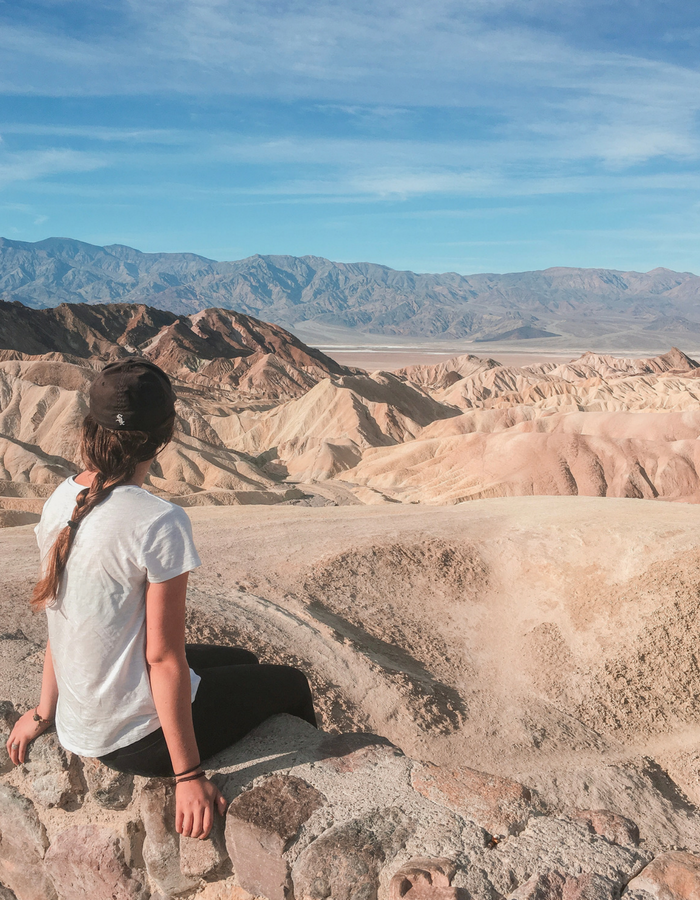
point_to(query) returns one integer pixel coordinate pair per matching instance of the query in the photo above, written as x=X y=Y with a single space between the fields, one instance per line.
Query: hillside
x=262 y=418
x=598 y=307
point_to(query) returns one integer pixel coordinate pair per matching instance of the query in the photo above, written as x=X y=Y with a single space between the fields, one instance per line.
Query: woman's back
x=97 y=622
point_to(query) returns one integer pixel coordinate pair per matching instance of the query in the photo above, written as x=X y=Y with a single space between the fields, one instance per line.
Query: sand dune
x=328 y=429
x=585 y=427
x=505 y=464
x=463 y=430
x=591 y=383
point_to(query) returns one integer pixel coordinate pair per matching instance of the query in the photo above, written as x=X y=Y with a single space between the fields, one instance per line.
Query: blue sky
x=471 y=136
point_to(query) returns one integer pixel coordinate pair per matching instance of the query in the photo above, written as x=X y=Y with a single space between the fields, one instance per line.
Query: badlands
x=544 y=632
x=265 y=419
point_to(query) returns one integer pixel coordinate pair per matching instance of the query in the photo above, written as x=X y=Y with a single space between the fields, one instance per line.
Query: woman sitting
x=118 y=677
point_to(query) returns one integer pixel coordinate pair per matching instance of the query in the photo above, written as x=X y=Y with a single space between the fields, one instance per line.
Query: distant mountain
x=554 y=305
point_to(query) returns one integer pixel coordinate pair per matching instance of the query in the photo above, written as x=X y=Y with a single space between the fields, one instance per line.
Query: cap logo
x=120 y=419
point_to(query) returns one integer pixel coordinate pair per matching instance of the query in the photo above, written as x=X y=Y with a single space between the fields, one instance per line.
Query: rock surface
x=550 y=641
x=86 y=862
x=499 y=805
x=23 y=844
x=671 y=876
x=310 y=822
x=260 y=824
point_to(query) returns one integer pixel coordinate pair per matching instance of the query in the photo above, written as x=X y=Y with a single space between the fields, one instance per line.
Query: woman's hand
x=26 y=728
x=195 y=802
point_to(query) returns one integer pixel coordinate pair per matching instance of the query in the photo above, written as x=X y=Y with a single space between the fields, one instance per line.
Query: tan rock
x=548 y=886
x=260 y=824
x=110 y=789
x=161 y=847
x=350 y=752
x=345 y=862
x=86 y=862
x=200 y=859
x=499 y=805
x=590 y=886
x=224 y=890
x=612 y=826
x=425 y=879
x=53 y=773
x=23 y=844
x=555 y=886
x=8 y=717
x=671 y=876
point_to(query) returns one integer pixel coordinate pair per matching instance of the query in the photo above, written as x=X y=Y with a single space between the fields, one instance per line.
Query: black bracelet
x=187 y=771
x=191 y=778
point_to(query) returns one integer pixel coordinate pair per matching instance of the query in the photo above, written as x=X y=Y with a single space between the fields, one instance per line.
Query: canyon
x=263 y=418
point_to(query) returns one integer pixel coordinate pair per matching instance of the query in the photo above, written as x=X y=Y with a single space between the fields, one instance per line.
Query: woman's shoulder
x=61 y=501
x=139 y=498
x=143 y=508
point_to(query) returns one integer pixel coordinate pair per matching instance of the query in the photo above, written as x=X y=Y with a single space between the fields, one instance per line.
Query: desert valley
x=492 y=566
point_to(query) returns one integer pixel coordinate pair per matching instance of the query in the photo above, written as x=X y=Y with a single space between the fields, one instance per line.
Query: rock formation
x=544 y=640
x=315 y=816
x=264 y=419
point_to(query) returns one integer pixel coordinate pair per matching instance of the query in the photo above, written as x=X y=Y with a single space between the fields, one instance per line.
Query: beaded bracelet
x=39 y=719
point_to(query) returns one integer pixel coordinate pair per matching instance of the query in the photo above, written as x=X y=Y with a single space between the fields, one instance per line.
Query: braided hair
x=113 y=456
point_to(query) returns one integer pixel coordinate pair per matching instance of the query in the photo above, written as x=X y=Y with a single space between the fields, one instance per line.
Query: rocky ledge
x=313 y=816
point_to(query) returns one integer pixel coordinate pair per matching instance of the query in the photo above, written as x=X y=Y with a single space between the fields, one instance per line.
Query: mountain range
x=570 y=307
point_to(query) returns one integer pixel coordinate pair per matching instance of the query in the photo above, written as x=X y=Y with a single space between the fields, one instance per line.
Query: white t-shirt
x=97 y=624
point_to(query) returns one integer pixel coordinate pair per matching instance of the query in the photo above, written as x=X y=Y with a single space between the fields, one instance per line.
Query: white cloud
x=35 y=165
x=99 y=133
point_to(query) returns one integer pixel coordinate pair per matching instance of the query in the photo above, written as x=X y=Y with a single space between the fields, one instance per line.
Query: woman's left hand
x=26 y=728
x=196 y=802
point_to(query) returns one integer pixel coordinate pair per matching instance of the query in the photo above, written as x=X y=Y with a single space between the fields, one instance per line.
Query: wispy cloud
x=103 y=134
x=365 y=101
x=41 y=164
x=402 y=55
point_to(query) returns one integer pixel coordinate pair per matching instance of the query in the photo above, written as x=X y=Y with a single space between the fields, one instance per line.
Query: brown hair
x=113 y=456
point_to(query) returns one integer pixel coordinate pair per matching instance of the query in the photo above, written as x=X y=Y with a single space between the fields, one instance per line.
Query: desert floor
x=553 y=639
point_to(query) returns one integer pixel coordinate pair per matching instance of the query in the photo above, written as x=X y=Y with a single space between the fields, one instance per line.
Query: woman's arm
x=170 y=685
x=26 y=728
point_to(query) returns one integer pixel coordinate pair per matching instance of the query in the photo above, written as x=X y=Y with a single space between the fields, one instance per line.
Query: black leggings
x=235 y=695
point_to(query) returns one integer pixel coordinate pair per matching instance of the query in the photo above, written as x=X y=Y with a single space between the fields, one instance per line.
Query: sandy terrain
x=445 y=432
x=553 y=639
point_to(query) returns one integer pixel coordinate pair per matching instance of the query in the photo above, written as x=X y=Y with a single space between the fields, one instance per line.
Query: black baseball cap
x=132 y=395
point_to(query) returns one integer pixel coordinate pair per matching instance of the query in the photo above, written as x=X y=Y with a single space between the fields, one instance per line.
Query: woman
x=118 y=678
